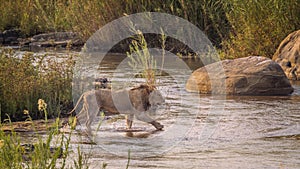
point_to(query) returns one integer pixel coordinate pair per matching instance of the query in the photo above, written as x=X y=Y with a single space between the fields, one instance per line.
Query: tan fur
x=133 y=102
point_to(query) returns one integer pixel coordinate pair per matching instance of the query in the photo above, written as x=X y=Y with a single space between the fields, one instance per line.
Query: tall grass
x=259 y=26
x=141 y=58
x=86 y=17
x=49 y=151
x=238 y=28
x=33 y=16
x=25 y=80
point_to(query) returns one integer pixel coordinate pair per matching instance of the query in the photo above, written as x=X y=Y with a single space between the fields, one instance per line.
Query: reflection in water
x=141 y=135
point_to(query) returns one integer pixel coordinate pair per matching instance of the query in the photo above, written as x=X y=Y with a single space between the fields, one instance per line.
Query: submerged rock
x=288 y=55
x=254 y=75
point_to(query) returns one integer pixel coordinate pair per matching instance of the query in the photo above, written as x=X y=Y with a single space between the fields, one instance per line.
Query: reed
x=237 y=28
x=259 y=26
x=141 y=59
x=48 y=151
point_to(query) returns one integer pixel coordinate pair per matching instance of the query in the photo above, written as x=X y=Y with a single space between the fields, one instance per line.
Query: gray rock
x=288 y=55
x=55 y=36
x=252 y=75
x=10 y=37
x=1 y=38
x=55 y=39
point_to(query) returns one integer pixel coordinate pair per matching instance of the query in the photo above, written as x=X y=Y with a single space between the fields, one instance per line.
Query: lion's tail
x=75 y=107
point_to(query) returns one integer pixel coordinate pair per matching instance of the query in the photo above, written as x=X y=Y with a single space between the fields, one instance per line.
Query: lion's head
x=156 y=100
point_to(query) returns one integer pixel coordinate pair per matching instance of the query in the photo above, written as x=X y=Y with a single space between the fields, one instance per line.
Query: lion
x=134 y=102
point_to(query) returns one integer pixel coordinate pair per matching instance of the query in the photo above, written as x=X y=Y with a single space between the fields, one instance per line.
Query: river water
x=201 y=131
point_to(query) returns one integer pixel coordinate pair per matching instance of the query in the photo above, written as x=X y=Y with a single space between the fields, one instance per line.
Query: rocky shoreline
x=253 y=75
x=72 y=40
x=64 y=40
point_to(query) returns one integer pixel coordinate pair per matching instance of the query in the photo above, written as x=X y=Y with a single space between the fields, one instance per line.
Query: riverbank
x=53 y=40
x=33 y=125
x=72 y=41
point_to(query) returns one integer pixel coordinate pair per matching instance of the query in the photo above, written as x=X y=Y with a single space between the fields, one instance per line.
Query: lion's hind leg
x=129 y=120
x=92 y=109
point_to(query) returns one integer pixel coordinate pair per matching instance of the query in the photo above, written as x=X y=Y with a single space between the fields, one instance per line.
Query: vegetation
x=237 y=28
x=140 y=58
x=51 y=151
x=24 y=80
x=259 y=26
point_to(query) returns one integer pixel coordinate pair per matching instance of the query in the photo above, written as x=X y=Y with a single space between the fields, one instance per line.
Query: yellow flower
x=1 y=143
x=41 y=104
x=139 y=32
x=26 y=112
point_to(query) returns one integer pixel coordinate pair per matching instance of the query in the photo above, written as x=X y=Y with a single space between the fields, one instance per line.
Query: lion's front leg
x=145 y=118
x=157 y=125
x=129 y=119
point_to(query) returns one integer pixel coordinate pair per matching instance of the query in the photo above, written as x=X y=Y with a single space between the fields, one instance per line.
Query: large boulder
x=252 y=75
x=288 y=55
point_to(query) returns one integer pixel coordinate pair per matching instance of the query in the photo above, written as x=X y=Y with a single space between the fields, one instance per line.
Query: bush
x=34 y=17
x=259 y=26
x=25 y=78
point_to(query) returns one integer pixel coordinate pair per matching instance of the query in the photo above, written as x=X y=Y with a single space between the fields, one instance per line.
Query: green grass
x=236 y=28
x=48 y=151
x=23 y=81
x=141 y=59
x=259 y=26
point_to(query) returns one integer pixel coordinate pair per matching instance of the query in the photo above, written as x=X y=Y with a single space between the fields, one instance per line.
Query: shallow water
x=202 y=131
x=251 y=132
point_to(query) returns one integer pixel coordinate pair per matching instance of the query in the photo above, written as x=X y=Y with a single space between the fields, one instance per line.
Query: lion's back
x=123 y=101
